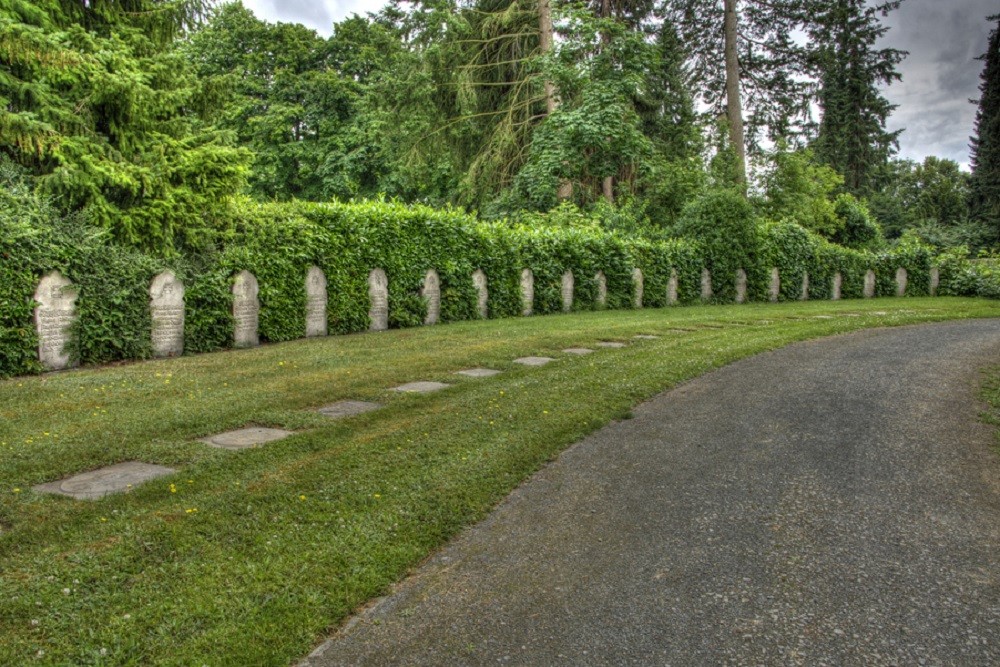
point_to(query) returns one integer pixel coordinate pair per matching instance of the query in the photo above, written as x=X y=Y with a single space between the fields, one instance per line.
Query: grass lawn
x=252 y=557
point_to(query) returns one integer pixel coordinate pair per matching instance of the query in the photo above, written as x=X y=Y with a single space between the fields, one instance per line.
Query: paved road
x=832 y=503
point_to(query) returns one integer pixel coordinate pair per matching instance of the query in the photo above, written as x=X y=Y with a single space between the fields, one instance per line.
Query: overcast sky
x=939 y=76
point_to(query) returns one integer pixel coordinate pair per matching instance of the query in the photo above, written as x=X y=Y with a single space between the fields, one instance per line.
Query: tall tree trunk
x=734 y=105
x=545 y=42
x=608 y=184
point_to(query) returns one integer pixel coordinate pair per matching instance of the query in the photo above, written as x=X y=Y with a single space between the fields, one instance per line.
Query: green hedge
x=279 y=242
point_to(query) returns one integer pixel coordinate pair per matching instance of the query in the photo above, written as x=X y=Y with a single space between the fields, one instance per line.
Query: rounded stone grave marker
x=166 y=309
x=741 y=286
x=378 y=298
x=804 y=293
x=901 y=280
x=638 y=287
x=315 y=302
x=527 y=292
x=706 y=284
x=869 y=284
x=935 y=281
x=482 y=293
x=246 y=310
x=837 y=287
x=601 y=300
x=567 y=291
x=431 y=293
x=774 y=291
x=672 y=285
x=54 y=318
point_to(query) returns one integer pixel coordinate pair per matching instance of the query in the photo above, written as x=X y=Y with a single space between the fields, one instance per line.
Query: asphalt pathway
x=836 y=502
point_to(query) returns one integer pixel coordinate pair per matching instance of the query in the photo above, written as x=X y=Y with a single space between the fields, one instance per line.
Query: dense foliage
x=985 y=183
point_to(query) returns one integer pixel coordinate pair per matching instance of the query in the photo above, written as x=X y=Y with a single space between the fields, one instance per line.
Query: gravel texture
x=836 y=502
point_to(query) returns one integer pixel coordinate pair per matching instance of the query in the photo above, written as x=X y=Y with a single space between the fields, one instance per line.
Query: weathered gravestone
x=774 y=291
x=804 y=293
x=706 y=284
x=837 y=287
x=378 y=299
x=431 y=293
x=741 y=286
x=478 y=372
x=610 y=344
x=246 y=310
x=901 y=280
x=166 y=309
x=638 y=287
x=342 y=409
x=315 y=302
x=527 y=292
x=94 y=484
x=579 y=351
x=533 y=361
x=869 y=290
x=482 y=293
x=421 y=387
x=672 y=288
x=567 y=291
x=601 y=301
x=54 y=319
x=935 y=281
x=245 y=438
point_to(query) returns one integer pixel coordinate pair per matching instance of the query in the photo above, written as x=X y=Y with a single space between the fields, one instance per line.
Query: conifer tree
x=852 y=136
x=984 y=186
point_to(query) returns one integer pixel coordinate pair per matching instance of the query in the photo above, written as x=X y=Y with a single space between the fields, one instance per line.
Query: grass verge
x=250 y=558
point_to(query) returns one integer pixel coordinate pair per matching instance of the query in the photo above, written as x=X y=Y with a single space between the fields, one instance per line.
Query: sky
x=940 y=75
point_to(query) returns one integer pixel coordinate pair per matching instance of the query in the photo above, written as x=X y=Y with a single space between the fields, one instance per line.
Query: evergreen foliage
x=984 y=199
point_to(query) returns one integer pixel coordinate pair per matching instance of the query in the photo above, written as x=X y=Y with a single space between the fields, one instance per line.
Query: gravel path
x=832 y=503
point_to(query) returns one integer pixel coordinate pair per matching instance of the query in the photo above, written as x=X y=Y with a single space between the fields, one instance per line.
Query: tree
x=96 y=103
x=852 y=136
x=984 y=199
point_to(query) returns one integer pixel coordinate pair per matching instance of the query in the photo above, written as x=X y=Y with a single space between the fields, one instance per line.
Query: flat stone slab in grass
x=533 y=361
x=577 y=350
x=645 y=337
x=347 y=408
x=610 y=343
x=421 y=387
x=103 y=481
x=478 y=372
x=245 y=438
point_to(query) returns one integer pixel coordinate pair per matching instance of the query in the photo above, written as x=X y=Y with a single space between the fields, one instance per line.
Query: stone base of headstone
x=95 y=484
x=347 y=408
x=577 y=350
x=478 y=372
x=421 y=387
x=533 y=361
x=246 y=438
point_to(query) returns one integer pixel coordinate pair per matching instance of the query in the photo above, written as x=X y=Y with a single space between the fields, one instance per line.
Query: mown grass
x=257 y=554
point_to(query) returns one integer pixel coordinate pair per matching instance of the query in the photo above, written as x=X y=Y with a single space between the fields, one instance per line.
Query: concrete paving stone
x=577 y=350
x=478 y=372
x=347 y=408
x=533 y=361
x=245 y=438
x=421 y=387
x=116 y=478
x=610 y=343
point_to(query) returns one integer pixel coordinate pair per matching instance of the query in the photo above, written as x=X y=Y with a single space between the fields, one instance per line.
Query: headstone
x=315 y=302
x=706 y=284
x=637 y=285
x=482 y=293
x=741 y=286
x=837 y=287
x=478 y=372
x=610 y=343
x=602 y=289
x=166 y=309
x=869 y=284
x=577 y=350
x=804 y=293
x=245 y=438
x=672 y=285
x=246 y=310
x=378 y=299
x=527 y=292
x=533 y=361
x=431 y=292
x=901 y=280
x=567 y=291
x=935 y=281
x=774 y=291
x=342 y=409
x=421 y=387
x=54 y=318
x=120 y=477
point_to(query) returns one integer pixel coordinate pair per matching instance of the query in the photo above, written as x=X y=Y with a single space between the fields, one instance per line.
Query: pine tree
x=852 y=136
x=666 y=104
x=984 y=186
x=96 y=102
